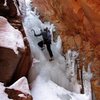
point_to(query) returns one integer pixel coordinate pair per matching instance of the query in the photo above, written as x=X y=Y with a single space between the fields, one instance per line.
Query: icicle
x=18 y=13
x=35 y=10
x=5 y=4
x=89 y=70
x=59 y=44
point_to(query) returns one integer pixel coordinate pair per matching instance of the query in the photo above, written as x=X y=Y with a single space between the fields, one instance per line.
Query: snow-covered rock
x=9 y=36
x=19 y=90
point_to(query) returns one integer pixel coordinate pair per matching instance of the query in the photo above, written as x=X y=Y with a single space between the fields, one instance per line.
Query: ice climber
x=46 y=40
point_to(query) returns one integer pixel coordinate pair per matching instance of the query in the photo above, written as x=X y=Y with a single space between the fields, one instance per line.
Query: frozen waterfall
x=48 y=80
x=60 y=71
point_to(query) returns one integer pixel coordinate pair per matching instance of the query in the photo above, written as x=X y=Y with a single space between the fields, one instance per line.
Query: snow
x=48 y=90
x=10 y=37
x=22 y=95
x=16 y=5
x=5 y=3
x=86 y=81
x=3 y=95
x=59 y=44
x=21 y=85
x=22 y=7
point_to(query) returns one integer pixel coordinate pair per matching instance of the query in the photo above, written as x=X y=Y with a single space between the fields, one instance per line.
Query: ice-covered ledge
x=22 y=85
x=18 y=91
x=9 y=36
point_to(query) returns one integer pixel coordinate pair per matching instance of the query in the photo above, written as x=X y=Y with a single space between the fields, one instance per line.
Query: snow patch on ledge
x=21 y=85
x=9 y=36
x=48 y=90
x=3 y=95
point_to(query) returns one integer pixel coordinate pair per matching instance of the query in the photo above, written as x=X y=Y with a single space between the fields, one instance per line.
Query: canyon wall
x=78 y=22
x=15 y=61
x=15 y=54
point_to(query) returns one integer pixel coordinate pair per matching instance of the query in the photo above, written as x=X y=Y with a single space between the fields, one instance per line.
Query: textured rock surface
x=78 y=22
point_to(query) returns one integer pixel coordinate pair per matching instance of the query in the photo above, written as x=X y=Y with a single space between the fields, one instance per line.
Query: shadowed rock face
x=8 y=10
x=14 y=94
x=8 y=64
x=78 y=22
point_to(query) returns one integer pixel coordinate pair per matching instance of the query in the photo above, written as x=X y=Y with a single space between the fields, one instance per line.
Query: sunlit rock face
x=78 y=22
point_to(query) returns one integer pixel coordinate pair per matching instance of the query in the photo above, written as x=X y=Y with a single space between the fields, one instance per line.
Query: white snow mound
x=9 y=36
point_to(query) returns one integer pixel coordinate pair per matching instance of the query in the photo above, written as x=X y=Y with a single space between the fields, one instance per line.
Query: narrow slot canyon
x=64 y=64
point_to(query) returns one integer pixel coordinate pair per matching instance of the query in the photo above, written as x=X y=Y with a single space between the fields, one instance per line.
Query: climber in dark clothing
x=46 y=40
